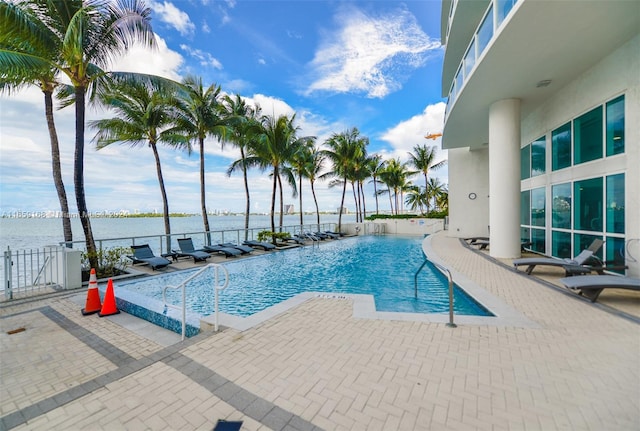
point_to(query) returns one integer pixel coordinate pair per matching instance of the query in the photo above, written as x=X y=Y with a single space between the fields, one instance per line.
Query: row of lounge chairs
x=143 y=253
x=589 y=286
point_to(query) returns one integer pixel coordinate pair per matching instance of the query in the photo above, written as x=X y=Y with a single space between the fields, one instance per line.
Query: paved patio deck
x=563 y=363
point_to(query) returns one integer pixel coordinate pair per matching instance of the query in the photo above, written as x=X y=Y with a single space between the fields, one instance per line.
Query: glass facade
x=503 y=7
x=561 y=244
x=615 y=203
x=485 y=32
x=525 y=207
x=561 y=147
x=615 y=253
x=561 y=206
x=588 y=205
x=470 y=59
x=587 y=131
x=538 y=156
x=615 y=126
x=538 y=242
x=538 y=207
x=583 y=241
x=525 y=162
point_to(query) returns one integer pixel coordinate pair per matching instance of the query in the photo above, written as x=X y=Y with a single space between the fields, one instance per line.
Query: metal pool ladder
x=449 y=277
x=216 y=285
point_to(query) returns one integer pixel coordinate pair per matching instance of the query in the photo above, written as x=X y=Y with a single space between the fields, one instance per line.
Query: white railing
x=217 y=288
x=32 y=271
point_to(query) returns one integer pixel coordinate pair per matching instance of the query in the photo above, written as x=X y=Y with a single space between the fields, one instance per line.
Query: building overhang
x=540 y=41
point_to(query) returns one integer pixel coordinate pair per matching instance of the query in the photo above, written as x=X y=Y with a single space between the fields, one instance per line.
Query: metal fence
x=32 y=271
x=166 y=243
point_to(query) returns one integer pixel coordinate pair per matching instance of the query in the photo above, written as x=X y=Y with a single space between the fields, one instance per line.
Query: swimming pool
x=382 y=266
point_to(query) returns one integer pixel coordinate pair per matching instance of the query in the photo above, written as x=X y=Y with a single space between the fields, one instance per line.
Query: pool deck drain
x=318 y=366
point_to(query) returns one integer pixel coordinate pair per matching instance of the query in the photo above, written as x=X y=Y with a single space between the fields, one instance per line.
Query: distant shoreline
x=114 y=214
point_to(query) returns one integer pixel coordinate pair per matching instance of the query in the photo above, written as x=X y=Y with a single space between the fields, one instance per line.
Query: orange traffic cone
x=93 y=296
x=109 y=307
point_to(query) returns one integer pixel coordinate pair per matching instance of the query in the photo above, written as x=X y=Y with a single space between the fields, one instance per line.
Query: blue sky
x=374 y=65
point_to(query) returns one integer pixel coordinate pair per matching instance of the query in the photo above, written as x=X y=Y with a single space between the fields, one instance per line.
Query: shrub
x=111 y=261
x=267 y=235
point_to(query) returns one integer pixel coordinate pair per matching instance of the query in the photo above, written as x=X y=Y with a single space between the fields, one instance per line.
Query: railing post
x=8 y=293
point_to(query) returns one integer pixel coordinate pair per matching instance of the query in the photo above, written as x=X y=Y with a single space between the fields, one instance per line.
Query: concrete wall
x=417 y=226
x=468 y=175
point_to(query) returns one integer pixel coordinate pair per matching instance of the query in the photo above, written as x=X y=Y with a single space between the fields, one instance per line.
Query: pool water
x=382 y=266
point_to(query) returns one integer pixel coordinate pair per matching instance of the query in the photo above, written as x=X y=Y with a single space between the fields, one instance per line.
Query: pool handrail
x=183 y=285
x=449 y=278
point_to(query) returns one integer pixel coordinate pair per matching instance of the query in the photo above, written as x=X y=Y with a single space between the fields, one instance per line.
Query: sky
x=375 y=65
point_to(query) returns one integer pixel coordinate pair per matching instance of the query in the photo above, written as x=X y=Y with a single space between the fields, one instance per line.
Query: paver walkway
x=317 y=367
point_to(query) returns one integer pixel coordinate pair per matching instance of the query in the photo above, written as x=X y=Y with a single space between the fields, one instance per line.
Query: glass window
x=459 y=82
x=525 y=208
x=503 y=7
x=537 y=207
x=470 y=59
x=561 y=244
x=561 y=147
x=538 y=156
x=525 y=234
x=525 y=160
x=561 y=211
x=582 y=241
x=615 y=126
x=587 y=139
x=538 y=240
x=485 y=32
x=588 y=205
x=615 y=203
x=615 y=253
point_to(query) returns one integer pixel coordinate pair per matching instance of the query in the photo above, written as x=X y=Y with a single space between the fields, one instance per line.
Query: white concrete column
x=504 y=178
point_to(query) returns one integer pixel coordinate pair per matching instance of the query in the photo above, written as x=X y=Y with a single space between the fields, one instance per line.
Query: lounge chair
x=484 y=243
x=143 y=254
x=244 y=249
x=340 y=234
x=330 y=234
x=260 y=244
x=187 y=250
x=571 y=266
x=227 y=251
x=591 y=286
x=294 y=239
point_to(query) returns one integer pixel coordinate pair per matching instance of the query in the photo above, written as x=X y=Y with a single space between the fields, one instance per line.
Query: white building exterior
x=543 y=125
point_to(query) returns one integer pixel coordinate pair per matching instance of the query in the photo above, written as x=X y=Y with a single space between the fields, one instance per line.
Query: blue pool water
x=382 y=266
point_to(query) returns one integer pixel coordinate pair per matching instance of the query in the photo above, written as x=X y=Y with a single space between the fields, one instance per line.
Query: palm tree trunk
x=78 y=178
x=355 y=201
x=165 y=201
x=364 y=205
x=203 y=203
x=344 y=192
x=246 y=192
x=273 y=199
x=56 y=169
x=375 y=194
x=281 y=203
x=300 y=195
x=315 y=200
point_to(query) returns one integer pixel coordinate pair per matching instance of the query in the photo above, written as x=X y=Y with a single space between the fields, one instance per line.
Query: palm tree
x=315 y=165
x=417 y=198
x=394 y=175
x=86 y=35
x=200 y=115
x=423 y=158
x=438 y=193
x=343 y=149
x=375 y=164
x=46 y=80
x=301 y=164
x=274 y=147
x=242 y=120
x=143 y=115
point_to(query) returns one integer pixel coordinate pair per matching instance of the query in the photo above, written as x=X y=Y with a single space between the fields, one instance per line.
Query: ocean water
x=33 y=232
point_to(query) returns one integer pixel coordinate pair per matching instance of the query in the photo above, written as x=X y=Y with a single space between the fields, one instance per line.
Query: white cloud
x=161 y=61
x=369 y=54
x=203 y=57
x=407 y=134
x=170 y=14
